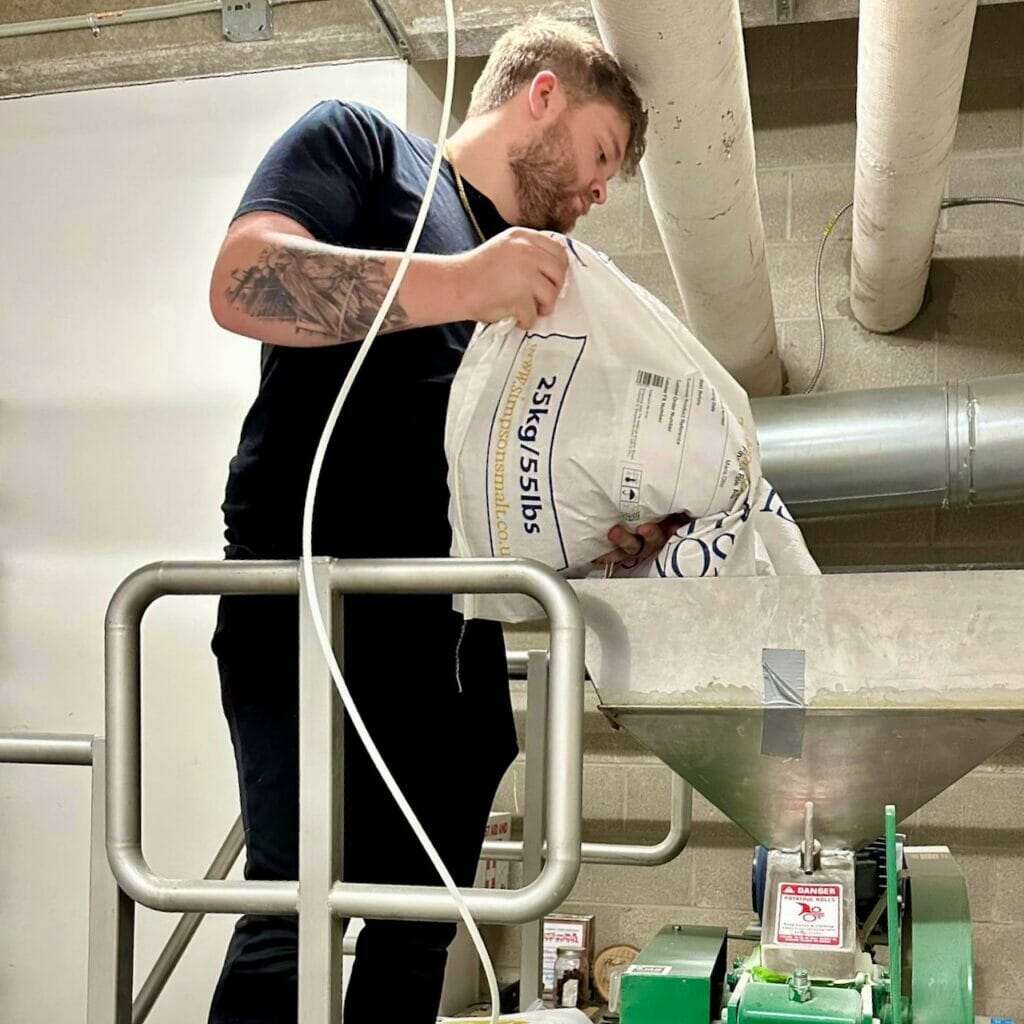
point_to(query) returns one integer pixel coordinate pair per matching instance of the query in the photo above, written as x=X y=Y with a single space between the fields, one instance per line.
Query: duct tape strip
x=782 y=730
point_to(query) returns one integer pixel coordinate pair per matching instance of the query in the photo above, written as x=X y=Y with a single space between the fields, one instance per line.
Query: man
x=304 y=268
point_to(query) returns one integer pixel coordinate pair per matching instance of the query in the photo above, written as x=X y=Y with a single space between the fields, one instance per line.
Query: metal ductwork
x=687 y=59
x=933 y=446
x=910 y=73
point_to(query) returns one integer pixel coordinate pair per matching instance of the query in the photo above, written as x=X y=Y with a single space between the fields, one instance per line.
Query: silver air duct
x=934 y=446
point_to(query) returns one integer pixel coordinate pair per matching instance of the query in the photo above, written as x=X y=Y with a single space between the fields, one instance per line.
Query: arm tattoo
x=320 y=292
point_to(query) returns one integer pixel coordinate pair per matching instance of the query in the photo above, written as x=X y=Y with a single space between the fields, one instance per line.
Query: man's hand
x=633 y=548
x=518 y=273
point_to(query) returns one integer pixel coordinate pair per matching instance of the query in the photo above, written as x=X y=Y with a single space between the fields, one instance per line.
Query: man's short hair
x=587 y=71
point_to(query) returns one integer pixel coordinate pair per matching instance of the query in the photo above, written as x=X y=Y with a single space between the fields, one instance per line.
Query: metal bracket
x=391 y=25
x=785 y=10
x=247 y=21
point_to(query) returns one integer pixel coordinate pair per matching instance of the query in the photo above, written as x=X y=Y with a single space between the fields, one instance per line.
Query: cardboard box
x=493 y=874
x=566 y=930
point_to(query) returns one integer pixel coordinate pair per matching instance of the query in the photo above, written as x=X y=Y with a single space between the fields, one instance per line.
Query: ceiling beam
x=304 y=33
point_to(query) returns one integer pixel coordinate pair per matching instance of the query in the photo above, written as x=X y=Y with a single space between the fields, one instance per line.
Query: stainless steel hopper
x=851 y=691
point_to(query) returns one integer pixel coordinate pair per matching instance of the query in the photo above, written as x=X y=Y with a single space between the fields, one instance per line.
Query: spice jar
x=571 y=981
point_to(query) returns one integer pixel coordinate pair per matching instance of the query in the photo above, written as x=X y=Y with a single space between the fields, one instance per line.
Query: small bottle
x=571 y=976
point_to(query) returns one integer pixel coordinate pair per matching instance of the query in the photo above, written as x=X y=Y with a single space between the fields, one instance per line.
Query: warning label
x=810 y=915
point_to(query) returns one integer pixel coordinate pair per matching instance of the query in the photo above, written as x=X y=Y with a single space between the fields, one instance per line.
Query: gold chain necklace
x=462 y=194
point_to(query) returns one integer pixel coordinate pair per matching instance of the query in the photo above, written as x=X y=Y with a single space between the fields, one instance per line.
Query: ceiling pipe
x=932 y=446
x=910 y=74
x=687 y=59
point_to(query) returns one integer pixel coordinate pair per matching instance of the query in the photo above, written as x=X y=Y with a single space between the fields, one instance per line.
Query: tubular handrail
x=631 y=854
x=636 y=855
x=185 y=929
x=45 y=748
x=77 y=749
x=434 y=576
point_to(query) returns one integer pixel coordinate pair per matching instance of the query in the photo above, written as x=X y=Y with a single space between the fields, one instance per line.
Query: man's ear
x=545 y=96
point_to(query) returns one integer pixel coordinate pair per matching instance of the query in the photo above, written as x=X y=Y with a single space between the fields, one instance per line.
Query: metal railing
x=111 y=915
x=316 y=727
x=631 y=854
x=542 y=758
x=551 y=850
x=46 y=748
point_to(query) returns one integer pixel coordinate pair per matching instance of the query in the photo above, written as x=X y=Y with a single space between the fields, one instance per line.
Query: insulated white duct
x=687 y=59
x=910 y=73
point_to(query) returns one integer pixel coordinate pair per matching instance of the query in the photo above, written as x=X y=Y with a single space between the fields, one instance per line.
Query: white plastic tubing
x=307 y=537
x=910 y=73
x=687 y=59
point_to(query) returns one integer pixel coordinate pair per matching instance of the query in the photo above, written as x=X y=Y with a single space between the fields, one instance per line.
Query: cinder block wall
x=803 y=80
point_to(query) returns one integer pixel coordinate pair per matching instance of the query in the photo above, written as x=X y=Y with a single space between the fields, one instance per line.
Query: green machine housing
x=683 y=977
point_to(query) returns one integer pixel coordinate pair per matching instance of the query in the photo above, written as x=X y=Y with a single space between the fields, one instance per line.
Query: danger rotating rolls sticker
x=810 y=915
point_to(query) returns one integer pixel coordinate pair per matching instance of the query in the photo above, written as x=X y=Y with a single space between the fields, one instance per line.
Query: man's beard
x=545 y=175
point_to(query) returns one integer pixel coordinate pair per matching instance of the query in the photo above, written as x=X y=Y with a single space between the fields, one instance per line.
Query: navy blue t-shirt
x=351 y=177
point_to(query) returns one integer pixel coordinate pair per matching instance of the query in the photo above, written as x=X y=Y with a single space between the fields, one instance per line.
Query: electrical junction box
x=246 y=21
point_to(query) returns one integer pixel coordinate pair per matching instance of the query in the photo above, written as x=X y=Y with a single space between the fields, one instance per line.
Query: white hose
x=307 y=536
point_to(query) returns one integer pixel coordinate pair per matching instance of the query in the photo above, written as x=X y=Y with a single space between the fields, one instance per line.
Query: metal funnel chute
x=851 y=691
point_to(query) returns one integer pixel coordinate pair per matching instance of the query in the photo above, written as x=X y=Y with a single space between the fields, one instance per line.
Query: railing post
x=531 y=982
x=320 y=820
x=111 y=917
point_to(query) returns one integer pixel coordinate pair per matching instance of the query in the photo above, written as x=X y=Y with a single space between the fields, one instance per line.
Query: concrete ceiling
x=306 y=32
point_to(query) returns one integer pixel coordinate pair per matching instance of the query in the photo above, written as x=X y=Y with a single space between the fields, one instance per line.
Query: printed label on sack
x=671 y=420
x=521 y=513
x=810 y=915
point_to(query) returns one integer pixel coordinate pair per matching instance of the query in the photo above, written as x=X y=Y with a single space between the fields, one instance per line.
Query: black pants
x=438 y=707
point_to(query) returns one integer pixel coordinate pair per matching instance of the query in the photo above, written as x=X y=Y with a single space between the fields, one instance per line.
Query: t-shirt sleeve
x=320 y=172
